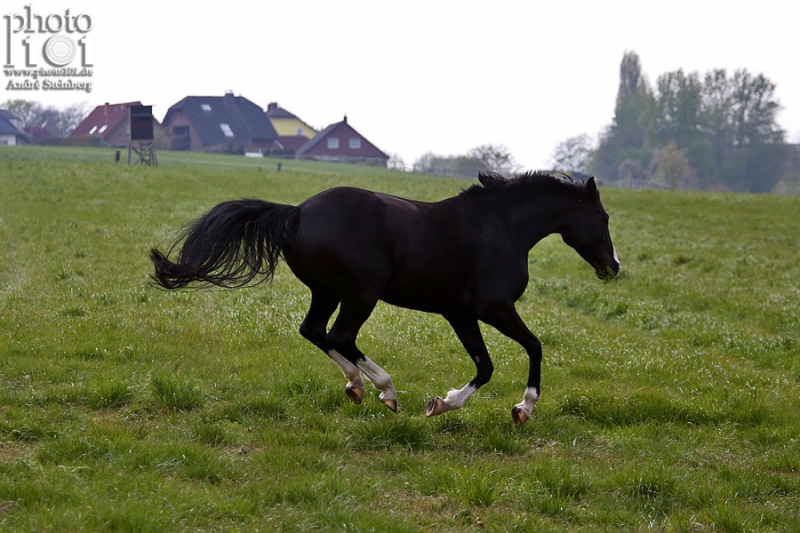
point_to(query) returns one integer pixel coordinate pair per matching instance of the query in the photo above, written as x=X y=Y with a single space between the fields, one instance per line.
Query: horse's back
x=355 y=222
x=342 y=214
x=389 y=246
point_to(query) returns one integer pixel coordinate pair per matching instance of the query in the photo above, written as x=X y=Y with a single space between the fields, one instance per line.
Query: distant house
x=293 y=132
x=287 y=124
x=109 y=122
x=291 y=143
x=11 y=132
x=340 y=142
x=219 y=122
x=38 y=134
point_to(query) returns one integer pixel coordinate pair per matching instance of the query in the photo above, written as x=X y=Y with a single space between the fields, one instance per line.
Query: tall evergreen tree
x=625 y=138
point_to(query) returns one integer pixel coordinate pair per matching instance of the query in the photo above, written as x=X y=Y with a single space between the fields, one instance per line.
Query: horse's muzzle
x=607 y=274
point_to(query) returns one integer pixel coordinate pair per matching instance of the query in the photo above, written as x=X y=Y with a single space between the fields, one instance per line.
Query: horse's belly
x=425 y=294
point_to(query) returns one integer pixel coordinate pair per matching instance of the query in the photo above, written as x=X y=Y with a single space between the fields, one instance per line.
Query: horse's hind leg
x=315 y=324
x=341 y=344
x=469 y=333
x=314 y=328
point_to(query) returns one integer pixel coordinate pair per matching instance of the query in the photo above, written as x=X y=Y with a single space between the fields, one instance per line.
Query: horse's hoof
x=354 y=393
x=435 y=407
x=391 y=404
x=519 y=416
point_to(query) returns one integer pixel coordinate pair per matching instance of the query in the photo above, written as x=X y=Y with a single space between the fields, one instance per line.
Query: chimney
x=105 y=109
x=345 y=119
x=272 y=106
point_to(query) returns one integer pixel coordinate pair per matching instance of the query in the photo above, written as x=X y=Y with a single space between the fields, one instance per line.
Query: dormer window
x=226 y=130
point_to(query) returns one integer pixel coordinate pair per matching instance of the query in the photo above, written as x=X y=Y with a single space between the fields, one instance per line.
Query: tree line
x=717 y=131
x=496 y=158
x=58 y=122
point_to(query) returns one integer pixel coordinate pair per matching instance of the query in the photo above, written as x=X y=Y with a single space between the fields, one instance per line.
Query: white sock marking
x=528 y=401
x=349 y=370
x=379 y=378
x=456 y=399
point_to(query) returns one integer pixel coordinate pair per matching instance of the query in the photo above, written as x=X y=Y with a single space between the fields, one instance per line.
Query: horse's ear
x=591 y=188
x=490 y=179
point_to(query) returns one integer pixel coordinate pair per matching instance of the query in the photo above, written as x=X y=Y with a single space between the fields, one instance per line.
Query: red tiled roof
x=108 y=115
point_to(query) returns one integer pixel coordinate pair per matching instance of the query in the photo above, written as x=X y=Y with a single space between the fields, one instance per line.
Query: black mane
x=492 y=181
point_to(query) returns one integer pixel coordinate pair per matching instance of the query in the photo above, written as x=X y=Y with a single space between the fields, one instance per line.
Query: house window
x=206 y=108
x=3 y=142
x=355 y=143
x=299 y=131
x=333 y=143
x=180 y=131
x=226 y=130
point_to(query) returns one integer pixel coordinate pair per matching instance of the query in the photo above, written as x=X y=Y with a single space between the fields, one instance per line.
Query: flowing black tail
x=230 y=246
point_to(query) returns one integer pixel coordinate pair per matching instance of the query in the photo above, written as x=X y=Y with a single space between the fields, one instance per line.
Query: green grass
x=670 y=401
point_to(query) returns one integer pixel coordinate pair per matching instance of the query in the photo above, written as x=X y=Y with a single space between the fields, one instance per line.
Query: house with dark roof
x=340 y=142
x=110 y=122
x=11 y=132
x=227 y=123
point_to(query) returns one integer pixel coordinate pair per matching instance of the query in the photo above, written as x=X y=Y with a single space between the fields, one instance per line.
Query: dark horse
x=464 y=258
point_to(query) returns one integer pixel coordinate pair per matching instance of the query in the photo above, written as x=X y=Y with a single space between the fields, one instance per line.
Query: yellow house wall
x=289 y=126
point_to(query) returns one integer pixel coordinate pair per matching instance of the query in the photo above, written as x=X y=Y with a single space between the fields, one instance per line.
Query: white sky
x=416 y=76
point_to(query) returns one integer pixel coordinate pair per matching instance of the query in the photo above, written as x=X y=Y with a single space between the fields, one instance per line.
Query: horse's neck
x=532 y=217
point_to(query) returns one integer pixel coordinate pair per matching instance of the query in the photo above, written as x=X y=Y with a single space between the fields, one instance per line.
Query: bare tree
x=59 y=123
x=69 y=118
x=396 y=162
x=27 y=111
x=574 y=154
x=496 y=158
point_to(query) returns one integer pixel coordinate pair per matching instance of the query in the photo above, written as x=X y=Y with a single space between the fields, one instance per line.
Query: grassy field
x=670 y=397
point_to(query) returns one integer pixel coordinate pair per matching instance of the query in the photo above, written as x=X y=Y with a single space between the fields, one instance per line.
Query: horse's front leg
x=506 y=320
x=469 y=333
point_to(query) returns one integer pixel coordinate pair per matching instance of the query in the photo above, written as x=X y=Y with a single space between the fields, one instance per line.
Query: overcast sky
x=418 y=76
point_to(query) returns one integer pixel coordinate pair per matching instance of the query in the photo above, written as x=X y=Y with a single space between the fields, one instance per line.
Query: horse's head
x=586 y=231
